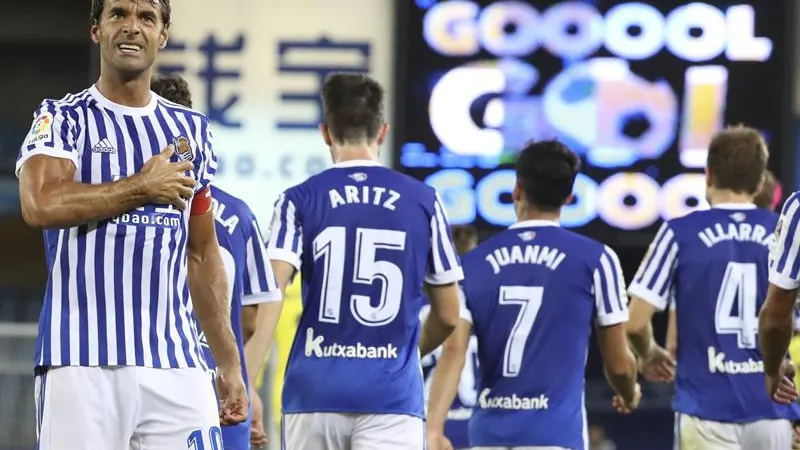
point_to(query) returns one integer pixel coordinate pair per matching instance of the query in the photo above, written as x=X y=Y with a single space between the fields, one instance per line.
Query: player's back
x=719 y=260
x=530 y=291
x=364 y=233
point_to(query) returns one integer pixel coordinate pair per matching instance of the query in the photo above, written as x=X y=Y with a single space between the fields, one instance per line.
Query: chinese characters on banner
x=255 y=68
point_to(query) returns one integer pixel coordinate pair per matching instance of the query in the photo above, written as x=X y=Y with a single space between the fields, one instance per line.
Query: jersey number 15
x=330 y=247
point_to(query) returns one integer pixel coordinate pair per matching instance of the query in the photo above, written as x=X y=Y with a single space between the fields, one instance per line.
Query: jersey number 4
x=736 y=303
x=330 y=247
x=529 y=300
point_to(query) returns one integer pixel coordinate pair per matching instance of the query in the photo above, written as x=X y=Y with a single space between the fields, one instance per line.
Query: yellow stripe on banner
x=794 y=354
x=284 y=335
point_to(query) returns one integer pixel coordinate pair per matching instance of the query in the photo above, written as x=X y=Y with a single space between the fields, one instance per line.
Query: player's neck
x=354 y=153
x=725 y=196
x=526 y=213
x=133 y=92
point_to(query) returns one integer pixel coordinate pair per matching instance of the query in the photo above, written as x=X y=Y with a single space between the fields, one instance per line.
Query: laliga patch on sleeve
x=42 y=129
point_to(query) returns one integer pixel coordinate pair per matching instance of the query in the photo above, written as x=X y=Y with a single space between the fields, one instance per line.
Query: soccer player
x=365 y=238
x=450 y=372
x=250 y=279
x=119 y=180
x=714 y=262
x=534 y=291
x=765 y=199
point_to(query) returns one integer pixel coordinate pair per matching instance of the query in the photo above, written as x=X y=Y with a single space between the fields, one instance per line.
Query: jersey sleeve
x=785 y=261
x=286 y=233
x=54 y=132
x=654 y=280
x=611 y=301
x=259 y=284
x=206 y=163
x=464 y=311
x=443 y=264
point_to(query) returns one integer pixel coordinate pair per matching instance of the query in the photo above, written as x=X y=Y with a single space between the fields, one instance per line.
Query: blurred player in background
x=250 y=279
x=365 y=239
x=120 y=180
x=450 y=373
x=715 y=263
x=534 y=291
x=765 y=199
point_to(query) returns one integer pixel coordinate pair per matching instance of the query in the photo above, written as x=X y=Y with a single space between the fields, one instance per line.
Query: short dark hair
x=353 y=107
x=465 y=237
x=737 y=159
x=99 y=5
x=173 y=88
x=546 y=171
x=766 y=196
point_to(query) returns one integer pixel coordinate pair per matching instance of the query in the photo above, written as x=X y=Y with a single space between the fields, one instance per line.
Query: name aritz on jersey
x=528 y=254
x=736 y=232
x=315 y=346
x=513 y=402
x=718 y=363
x=365 y=195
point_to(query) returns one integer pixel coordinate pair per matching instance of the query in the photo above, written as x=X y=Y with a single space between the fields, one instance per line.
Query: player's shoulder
x=232 y=203
x=341 y=174
x=64 y=106
x=703 y=218
x=178 y=108
x=792 y=204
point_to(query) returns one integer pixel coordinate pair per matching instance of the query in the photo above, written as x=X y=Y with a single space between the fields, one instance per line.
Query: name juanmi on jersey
x=525 y=254
x=364 y=195
x=737 y=230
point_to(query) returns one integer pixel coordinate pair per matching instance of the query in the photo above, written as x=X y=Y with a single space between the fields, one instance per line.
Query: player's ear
x=163 y=38
x=382 y=132
x=568 y=200
x=516 y=194
x=95 y=32
x=326 y=135
x=708 y=176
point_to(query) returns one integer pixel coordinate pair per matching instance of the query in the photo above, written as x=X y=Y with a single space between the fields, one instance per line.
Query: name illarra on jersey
x=526 y=288
x=715 y=262
x=364 y=239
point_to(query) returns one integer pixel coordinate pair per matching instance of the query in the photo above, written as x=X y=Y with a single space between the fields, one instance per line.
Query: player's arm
x=444 y=272
x=650 y=291
x=51 y=198
x=611 y=307
x=208 y=286
x=259 y=288
x=444 y=384
x=249 y=314
x=672 y=330
x=776 y=320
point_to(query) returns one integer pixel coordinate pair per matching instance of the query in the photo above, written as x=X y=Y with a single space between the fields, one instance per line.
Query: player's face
x=130 y=34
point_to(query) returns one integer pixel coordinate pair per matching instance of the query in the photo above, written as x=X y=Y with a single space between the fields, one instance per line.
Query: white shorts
x=337 y=431
x=692 y=433
x=136 y=408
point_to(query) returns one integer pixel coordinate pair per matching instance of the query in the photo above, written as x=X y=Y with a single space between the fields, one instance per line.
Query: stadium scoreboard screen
x=636 y=89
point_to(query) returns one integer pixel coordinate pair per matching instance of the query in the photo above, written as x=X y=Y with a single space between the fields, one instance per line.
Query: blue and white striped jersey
x=785 y=255
x=534 y=291
x=117 y=293
x=250 y=282
x=364 y=238
x=715 y=263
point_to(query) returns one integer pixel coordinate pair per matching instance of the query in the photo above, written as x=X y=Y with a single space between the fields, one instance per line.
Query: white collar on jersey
x=357 y=163
x=122 y=109
x=734 y=206
x=534 y=223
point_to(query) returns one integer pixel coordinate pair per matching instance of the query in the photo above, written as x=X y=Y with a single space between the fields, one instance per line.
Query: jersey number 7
x=529 y=299
x=330 y=246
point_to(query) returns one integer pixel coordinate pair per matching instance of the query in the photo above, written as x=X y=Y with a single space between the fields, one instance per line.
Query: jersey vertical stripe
x=653 y=280
x=785 y=260
x=611 y=300
x=117 y=293
x=444 y=258
x=285 y=232
x=258 y=278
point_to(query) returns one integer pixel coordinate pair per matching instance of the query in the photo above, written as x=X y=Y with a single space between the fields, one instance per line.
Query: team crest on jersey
x=358 y=176
x=41 y=130
x=527 y=235
x=738 y=216
x=183 y=148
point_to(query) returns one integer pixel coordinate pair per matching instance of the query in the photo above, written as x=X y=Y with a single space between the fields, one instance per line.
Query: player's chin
x=132 y=65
